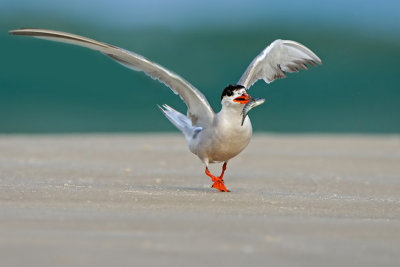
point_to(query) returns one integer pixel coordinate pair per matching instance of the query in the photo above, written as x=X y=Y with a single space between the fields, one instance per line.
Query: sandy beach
x=144 y=200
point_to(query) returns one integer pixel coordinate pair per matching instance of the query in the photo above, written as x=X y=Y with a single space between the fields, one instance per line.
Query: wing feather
x=199 y=110
x=275 y=60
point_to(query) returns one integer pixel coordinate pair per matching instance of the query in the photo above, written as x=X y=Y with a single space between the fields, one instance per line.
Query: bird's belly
x=225 y=151
x=222 y=147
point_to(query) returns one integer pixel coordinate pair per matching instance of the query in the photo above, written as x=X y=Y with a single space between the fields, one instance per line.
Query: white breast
x=223 y=140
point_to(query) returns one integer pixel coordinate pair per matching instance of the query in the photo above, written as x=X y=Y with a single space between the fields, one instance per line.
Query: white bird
x=213 y=137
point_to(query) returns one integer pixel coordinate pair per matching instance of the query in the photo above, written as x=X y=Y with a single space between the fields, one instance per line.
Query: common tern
x=213 y=137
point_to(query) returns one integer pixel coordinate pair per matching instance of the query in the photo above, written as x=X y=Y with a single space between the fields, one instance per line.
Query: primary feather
x=199 y=110
x=275 y=60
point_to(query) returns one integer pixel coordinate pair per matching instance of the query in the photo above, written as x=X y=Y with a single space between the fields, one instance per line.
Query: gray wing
x=275 y=60
x=199 y=110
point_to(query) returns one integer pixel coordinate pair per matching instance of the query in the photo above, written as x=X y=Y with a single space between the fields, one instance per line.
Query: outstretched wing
x=199 y=110
x=275 y=60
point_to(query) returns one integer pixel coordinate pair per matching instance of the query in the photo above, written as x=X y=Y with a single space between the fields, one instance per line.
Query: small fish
x=252 y=104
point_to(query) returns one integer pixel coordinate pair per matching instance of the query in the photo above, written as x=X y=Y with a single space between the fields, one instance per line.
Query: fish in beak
x=252 y=103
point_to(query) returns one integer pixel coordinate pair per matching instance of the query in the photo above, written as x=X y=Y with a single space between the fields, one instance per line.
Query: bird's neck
x=231 y=114
x=233 y=108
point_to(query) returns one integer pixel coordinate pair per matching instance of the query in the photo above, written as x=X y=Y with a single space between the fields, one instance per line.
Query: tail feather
x=183 y=123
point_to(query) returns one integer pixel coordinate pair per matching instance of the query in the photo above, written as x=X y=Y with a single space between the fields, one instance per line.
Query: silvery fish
x=252 y=104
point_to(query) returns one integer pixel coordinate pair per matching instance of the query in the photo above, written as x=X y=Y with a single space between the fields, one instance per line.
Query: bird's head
x=235 y=96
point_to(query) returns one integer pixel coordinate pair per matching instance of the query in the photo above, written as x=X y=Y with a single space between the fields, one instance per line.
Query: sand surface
x=144 y=200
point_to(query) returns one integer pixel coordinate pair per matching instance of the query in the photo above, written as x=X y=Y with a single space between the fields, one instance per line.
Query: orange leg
x=218 y=181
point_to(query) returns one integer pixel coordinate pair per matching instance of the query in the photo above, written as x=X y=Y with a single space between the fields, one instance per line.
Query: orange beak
x=243 y=99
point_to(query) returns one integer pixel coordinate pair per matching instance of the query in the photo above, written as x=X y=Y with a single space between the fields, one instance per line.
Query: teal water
x=48 y=87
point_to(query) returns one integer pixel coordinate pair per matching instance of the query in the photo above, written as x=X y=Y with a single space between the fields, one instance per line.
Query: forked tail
x=183 y=123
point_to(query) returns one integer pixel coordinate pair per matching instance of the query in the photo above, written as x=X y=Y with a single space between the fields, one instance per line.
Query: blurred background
x=48 y=87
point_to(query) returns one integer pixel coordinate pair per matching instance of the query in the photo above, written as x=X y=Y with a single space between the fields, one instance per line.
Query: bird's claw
x=218 y=181
x=220 y=186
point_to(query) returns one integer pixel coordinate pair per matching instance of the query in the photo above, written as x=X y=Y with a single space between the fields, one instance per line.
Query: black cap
x=228 y=91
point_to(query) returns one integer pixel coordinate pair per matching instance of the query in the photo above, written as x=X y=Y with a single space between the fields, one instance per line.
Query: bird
x=213 y=137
